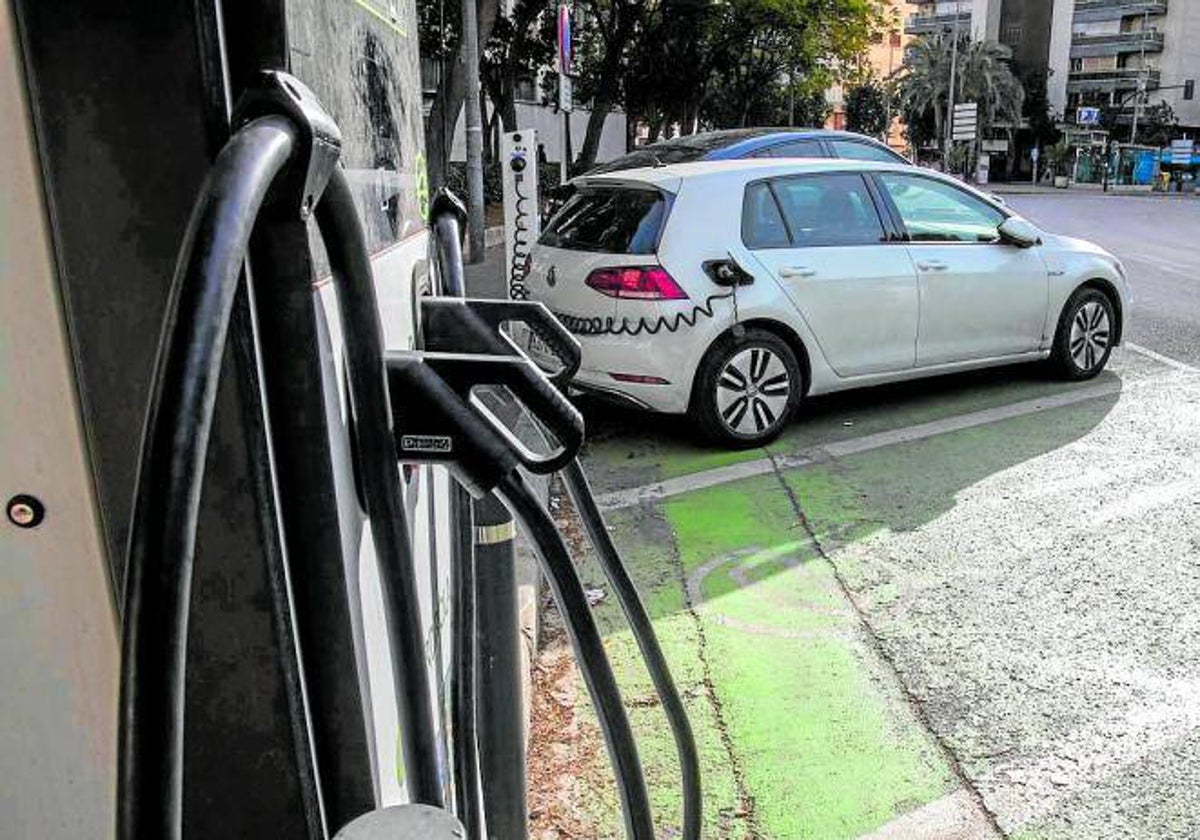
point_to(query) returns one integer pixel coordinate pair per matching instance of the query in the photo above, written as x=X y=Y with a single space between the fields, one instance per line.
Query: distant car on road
x=731 y=291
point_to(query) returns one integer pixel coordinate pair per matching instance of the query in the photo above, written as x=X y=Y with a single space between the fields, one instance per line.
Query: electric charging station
x=237 y=523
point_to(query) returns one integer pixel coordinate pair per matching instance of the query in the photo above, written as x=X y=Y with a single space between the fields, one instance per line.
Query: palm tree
x=983 y=76
x=986 y=77
x=924 y=80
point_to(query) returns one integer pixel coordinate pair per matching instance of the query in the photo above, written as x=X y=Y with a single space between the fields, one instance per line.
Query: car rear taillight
x=637 y=282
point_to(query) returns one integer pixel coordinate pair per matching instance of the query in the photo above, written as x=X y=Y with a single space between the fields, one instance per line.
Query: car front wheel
x=746 y=389
x=1085 y=335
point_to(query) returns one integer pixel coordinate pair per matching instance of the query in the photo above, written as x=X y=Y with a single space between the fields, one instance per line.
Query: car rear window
x=621 y=220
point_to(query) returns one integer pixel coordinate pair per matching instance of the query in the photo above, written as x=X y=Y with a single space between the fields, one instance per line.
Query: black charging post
x=492 y=739
x=500 y=716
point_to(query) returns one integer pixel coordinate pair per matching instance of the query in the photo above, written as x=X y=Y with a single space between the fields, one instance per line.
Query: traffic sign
x=966 y=121
x=566 y=48
x=1181 y=152
x=566 y=100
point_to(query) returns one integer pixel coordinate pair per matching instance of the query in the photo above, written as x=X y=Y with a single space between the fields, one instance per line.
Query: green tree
x=867 y=109
x=983 y=76
x=521 y=44
x=439 y=31
x=701 y=64
x=1158 y=125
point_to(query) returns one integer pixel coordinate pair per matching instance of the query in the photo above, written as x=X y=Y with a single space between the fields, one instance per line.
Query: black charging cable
x=593 y=662
x=643 y=633
x=473 y=326
x=379 y=477
x=283 y=135
x=162 y=538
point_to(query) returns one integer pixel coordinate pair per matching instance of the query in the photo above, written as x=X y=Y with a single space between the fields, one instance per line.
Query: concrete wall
x=985 y=20
x=1060 y=53
x=548 y=125
x=1180 y=59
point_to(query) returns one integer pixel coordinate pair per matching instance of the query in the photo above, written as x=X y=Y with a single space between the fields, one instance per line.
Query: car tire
x=1083 y=341
x=746 y=389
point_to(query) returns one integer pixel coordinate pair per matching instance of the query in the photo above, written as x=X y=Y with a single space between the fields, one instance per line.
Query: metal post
x=1137 y=106
x=474 y=124
x=501 y=721
x=949 y=141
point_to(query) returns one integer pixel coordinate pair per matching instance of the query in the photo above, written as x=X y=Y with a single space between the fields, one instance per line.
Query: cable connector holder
x=318 y=139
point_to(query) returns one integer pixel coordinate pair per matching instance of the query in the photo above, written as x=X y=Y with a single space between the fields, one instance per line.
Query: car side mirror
x=1019 y=232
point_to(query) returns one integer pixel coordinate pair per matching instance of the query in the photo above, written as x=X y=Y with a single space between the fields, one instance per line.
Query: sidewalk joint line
x=877 y=647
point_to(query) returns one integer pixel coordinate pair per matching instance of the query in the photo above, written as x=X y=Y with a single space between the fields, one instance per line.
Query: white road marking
x=955 y=816
x=840 y=449
x=1027 y=789
x=1159 y=357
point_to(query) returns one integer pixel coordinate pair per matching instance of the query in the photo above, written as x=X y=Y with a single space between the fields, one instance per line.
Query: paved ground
x=954 y=609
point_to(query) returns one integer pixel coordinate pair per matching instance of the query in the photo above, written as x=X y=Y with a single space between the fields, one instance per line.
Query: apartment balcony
x=1091 y=46
x=1088 y=11
x=921 y=24
x=1109 y=80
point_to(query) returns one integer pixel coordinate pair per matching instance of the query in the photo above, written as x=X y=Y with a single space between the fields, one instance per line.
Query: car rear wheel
x=746 y=389
x=1085 y=335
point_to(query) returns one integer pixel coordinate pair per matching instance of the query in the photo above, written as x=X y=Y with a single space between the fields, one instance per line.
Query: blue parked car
x=736 y=143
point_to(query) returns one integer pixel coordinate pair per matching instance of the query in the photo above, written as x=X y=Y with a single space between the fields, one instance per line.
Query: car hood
x=1070 y=243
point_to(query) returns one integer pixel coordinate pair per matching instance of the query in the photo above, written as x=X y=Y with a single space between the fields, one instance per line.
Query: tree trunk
x=448 y=101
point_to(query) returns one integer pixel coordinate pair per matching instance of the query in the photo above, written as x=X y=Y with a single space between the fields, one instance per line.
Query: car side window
x=854 y=150
x=933 y=211
x=762 y=223
x=829 y=210
x=798 y=149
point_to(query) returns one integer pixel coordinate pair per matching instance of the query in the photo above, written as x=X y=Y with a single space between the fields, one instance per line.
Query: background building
x=1118 y=44
x=1038 y=31
x=885 y=57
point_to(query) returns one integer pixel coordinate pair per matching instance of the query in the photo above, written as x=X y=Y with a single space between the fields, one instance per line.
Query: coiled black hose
x=517 y=290
x=162 y=539
x=647 y=642
x=650 y=326
x=589 y=653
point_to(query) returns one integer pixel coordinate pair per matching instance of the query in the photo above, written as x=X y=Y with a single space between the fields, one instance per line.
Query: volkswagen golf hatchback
x=732 y=290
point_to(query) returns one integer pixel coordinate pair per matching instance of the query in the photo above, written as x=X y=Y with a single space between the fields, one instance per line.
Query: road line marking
x=840 y=449
x=1026 y=790
x=955 y=816
x=684 y=484
x=1159 y=357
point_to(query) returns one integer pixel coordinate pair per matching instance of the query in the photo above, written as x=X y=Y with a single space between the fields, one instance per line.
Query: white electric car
x=731 y=290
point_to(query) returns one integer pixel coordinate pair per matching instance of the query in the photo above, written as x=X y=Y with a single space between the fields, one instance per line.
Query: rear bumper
x=662 y=356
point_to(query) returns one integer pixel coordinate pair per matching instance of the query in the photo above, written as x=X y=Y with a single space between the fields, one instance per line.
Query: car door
x=980 y=297
x=823 y=239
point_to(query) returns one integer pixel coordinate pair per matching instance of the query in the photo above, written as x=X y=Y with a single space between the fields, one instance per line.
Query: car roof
x=726 y=144
x=668 y=176
x=770 y=137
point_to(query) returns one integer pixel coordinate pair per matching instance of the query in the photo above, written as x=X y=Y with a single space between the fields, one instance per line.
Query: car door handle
x=797 y=271
x=932 y=265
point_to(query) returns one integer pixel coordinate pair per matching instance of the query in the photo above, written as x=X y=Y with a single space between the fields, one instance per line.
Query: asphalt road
x=1157 y=238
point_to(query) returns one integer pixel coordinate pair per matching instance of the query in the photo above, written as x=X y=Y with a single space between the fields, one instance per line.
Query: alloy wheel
x=752 y=391
x=1089 y=335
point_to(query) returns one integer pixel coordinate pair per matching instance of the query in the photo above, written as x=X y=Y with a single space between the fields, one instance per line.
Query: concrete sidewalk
x=955 y=609
x=1003 y=189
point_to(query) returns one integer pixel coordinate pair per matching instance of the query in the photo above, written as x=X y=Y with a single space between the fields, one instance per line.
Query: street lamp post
x=949 y=141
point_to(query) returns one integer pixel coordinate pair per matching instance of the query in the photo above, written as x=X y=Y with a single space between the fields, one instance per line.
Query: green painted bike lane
x=804 y=729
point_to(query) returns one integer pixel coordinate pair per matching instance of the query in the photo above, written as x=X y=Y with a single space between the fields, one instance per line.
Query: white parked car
x=732 y=290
